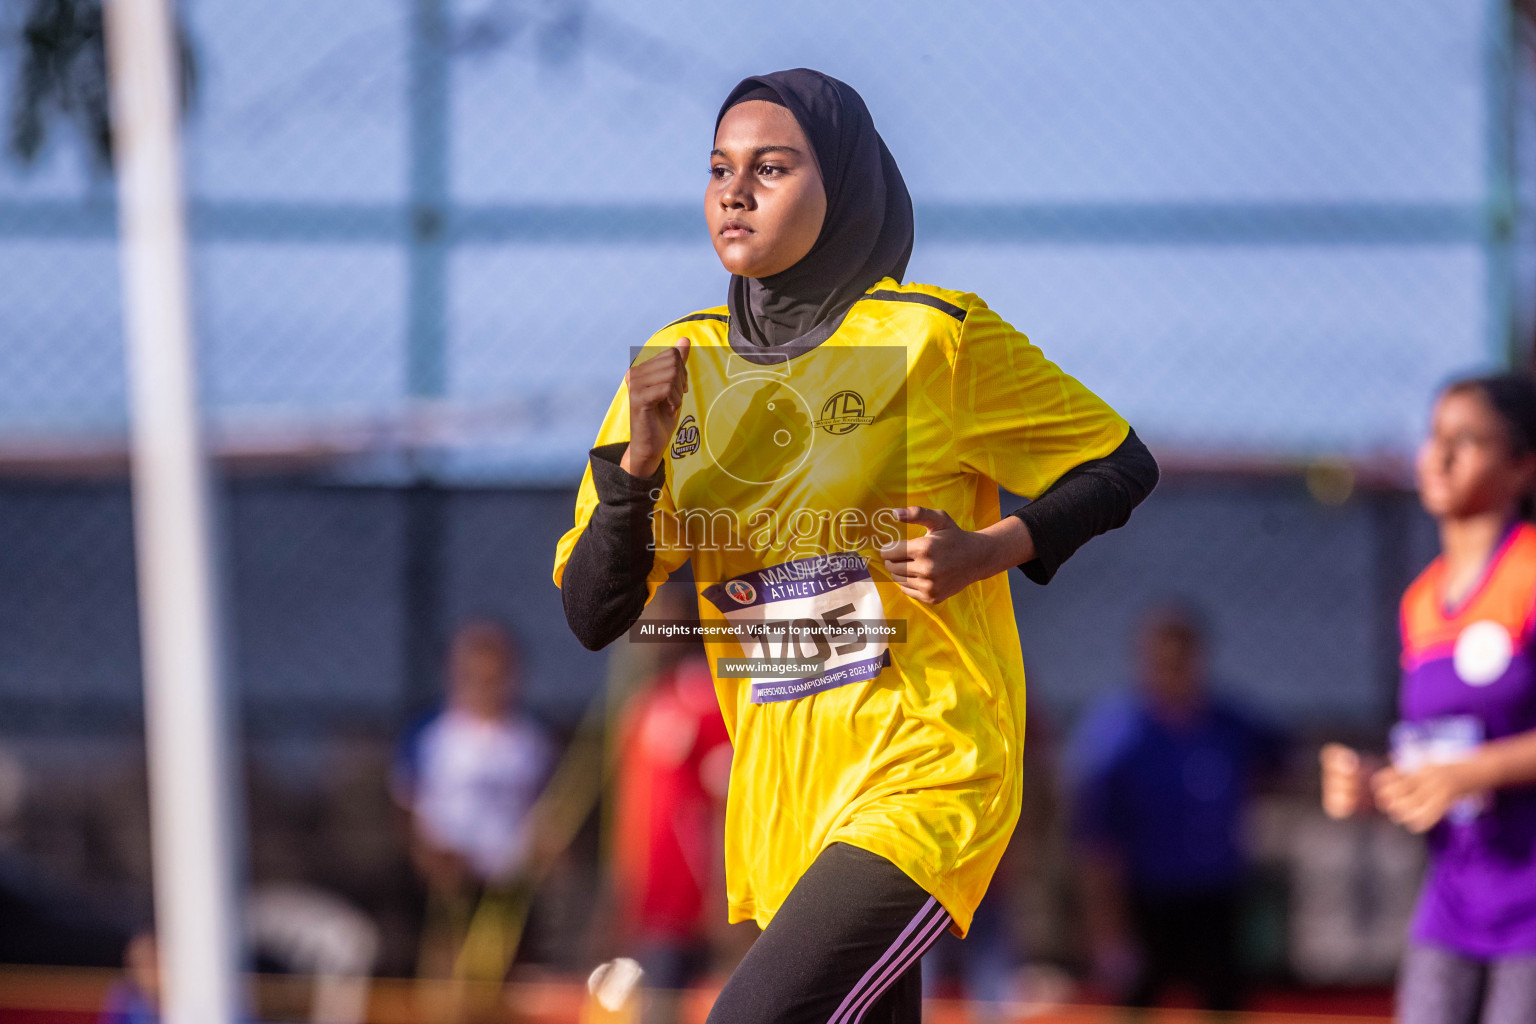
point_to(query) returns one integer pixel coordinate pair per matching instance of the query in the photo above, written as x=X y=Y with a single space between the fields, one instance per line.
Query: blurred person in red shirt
x=673 y=760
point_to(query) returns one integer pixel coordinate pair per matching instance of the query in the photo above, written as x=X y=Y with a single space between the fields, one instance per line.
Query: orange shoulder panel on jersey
x=1506 y=595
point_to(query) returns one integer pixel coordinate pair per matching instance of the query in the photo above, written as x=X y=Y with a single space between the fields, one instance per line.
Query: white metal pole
x=189 y=745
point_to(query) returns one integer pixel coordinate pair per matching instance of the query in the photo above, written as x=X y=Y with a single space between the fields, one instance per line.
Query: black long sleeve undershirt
x=604 y=584
x=604 y=588
x=1087 y=500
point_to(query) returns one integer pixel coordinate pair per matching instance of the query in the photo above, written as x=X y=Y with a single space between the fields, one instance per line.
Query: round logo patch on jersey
x=1483 y=651
x=741 y=591
x=686 y=440
x=842 y=412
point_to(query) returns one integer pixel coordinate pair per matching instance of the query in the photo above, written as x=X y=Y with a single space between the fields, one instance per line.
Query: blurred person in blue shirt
x=1162 y=776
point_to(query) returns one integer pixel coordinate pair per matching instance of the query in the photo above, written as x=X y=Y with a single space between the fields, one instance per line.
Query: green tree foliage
x=63 y=77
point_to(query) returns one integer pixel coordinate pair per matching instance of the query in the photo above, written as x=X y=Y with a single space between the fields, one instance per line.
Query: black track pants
x=843 y=949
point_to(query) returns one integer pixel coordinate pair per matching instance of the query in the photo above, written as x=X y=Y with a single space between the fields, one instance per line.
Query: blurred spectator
x=1162 y=778
x=136 y=998
x=674 y=762
x=44 y=919
x=1463 y=763
x=468 y=778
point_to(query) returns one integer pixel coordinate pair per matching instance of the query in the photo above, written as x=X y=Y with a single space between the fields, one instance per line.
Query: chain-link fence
x=1266 y=229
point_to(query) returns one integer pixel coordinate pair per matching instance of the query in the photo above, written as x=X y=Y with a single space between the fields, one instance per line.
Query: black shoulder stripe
x=699 y=316
x=922 y=300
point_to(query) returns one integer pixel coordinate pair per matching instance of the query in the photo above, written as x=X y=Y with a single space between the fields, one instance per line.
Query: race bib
x=809 y=608
x=1441 y=741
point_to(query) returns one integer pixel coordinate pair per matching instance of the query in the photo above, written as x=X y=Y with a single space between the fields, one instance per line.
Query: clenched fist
x=1345 y=778
x=1417 y=800
x=656 y=389
x=947 y=559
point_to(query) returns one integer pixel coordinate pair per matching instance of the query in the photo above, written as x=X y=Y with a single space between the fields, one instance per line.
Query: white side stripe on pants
x=913 y=941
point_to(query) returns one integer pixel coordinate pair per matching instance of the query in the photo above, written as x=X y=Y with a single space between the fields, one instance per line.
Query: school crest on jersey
x=842 y=412
x=686 y=440
x=741 y=591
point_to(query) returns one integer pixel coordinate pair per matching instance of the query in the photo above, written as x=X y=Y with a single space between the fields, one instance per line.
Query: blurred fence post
x=428 y=257
x=1499 y=145
x=426 y=355
x=179 y=611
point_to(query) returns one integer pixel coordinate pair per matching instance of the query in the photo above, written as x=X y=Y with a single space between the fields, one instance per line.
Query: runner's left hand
x=942 y=562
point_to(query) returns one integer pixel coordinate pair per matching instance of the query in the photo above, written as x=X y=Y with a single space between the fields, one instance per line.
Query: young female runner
x=826 y=449
x=1464 y=754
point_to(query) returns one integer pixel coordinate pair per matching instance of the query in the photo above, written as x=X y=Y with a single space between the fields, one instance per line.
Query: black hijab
x=867 y=233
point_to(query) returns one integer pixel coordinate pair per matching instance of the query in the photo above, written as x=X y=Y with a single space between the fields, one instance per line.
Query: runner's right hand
x=656 y=389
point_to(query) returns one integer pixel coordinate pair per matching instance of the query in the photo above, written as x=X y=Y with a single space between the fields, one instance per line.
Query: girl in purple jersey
x=1464 y=755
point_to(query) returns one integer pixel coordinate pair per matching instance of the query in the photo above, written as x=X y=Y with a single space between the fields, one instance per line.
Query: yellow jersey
x=779 y=486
